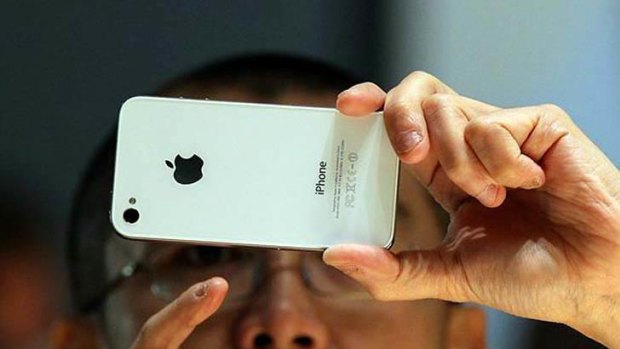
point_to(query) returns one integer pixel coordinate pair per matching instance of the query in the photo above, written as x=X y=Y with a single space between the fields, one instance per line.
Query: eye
x=209 y=256
x=402 y=211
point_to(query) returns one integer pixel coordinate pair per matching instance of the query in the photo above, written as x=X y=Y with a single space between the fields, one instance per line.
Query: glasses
x=173 y=269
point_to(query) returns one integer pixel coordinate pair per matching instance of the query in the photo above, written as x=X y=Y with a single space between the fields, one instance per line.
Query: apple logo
x=186 y=171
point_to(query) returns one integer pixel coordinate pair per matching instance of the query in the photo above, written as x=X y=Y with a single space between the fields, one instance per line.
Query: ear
x=466 y=328
x=74 y=333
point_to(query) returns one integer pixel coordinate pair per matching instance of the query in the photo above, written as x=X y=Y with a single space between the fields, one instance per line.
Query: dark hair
x=266 y=76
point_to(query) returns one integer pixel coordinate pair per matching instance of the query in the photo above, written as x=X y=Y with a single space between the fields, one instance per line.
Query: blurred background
x=66 y=67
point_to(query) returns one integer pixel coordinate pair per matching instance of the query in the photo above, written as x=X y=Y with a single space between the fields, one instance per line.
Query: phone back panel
x=252 y=174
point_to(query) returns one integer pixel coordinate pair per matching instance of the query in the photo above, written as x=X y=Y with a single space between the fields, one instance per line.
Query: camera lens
x=131 y=215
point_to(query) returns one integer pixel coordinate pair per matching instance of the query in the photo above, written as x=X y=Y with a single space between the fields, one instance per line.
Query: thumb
x=361 y=99
x=408 y=275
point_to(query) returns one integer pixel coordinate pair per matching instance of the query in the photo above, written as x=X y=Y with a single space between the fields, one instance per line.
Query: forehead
x=417 y=222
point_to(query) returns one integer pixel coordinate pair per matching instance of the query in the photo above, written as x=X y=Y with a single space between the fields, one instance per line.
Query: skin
x=283 y=307
x=535 y=209
x=28 y=285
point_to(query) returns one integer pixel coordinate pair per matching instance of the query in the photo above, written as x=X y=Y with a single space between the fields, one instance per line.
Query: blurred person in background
x=535 y=221
x=28 y=281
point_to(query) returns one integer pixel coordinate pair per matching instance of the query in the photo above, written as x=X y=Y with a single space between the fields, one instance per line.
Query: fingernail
x=348 y=269
x=489 y=194
x=407 y=141
x=354 y=270
x=349 y=90
x=344 y=267
x=534 y=183
x=201 y=290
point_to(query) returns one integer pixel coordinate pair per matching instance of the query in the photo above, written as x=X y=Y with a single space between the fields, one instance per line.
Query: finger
x=500 y=153
x=427 y=169
x=446 y=123
x=473 y=108
x=536 y=129
x=361 y=99
x=509 y=142
x=170 y=327
x=407 y=275
x=404 y=118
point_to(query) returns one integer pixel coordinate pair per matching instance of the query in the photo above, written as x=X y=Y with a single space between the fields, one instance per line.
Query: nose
x=282 y=326
x=282 y=316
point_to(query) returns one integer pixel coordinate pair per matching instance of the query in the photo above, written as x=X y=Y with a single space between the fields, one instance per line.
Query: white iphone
x=242 y=174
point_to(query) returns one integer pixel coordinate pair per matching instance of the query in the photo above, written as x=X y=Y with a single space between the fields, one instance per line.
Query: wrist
x=601 y=324
x=604 y=336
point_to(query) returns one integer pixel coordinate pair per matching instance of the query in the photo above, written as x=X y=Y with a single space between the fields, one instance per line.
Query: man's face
x=283 y=311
